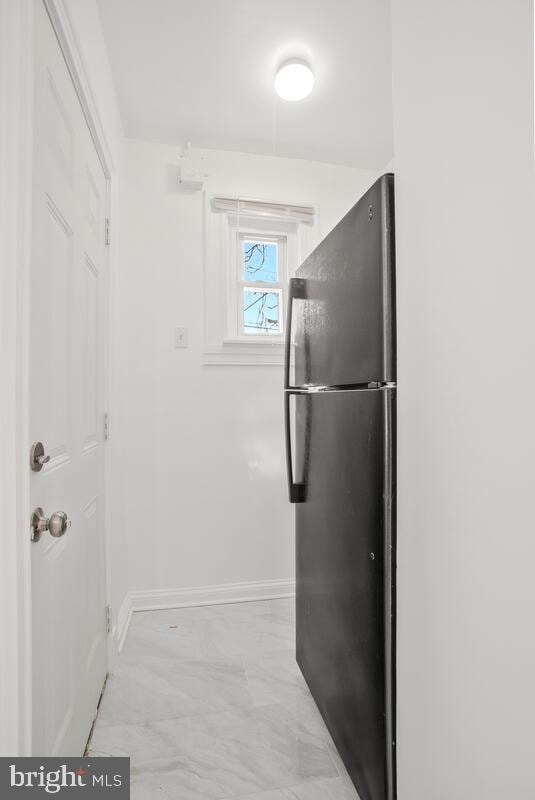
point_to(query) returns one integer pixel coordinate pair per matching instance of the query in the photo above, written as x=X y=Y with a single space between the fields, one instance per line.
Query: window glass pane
x=261 y=312
x=260 y=261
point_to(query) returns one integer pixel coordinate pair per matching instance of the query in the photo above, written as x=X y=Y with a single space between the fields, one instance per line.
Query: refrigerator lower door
x=345 y=576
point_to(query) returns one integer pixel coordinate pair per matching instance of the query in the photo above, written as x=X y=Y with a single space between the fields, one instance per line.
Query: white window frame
x=224 y=341
x=237 y=283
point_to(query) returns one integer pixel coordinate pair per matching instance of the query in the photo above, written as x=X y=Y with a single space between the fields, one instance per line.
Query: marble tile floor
x=209 y=704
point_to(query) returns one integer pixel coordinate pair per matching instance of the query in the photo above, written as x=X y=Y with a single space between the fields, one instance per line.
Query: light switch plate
x=181 y=337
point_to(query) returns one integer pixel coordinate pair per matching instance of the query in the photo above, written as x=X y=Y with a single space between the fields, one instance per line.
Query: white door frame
x=16 y=143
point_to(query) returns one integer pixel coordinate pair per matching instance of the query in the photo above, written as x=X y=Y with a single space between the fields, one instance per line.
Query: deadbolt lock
x=37 y=457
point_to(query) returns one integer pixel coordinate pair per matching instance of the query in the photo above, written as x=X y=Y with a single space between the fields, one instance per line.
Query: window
x=261 y=284
x=252 y=248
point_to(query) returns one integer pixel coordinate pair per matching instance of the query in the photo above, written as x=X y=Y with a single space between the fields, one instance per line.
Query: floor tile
x=150 y=785
x=274 y=677
x=213 y=632
x=161 y=688
x=209 y=704
x=331 y=789
x=235 y=752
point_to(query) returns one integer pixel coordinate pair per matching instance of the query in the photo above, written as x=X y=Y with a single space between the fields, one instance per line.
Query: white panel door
x=66 y=407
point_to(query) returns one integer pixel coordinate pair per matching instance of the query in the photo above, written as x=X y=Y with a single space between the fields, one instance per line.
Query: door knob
x=37 y=457
x=56 y=524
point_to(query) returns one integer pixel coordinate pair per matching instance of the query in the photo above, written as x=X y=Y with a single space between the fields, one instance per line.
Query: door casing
x=16 y=104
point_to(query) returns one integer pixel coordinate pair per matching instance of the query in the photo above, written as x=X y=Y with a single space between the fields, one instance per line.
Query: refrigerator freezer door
x=343 y=313
x=345 y=576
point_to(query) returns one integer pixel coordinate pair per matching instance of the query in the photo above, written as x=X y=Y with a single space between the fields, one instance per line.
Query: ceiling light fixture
x=294 y=80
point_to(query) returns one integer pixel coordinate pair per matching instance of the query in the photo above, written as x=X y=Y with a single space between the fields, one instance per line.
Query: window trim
x=237 y=283
x=221 y=347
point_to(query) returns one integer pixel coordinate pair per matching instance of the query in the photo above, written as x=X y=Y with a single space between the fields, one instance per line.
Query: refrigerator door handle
x=296 y=491
x=296 y=292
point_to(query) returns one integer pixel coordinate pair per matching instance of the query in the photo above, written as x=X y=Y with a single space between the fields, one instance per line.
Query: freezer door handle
x=296 y=292
x=296 y=491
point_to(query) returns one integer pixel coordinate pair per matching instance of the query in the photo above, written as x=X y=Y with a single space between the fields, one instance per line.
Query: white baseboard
x=160 y=599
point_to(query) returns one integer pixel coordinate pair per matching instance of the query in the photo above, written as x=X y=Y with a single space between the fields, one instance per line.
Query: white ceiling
x=202 y=71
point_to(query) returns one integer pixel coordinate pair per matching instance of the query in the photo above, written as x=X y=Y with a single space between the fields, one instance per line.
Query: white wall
x=85 y=21
x=201 y=447
x=463 y=113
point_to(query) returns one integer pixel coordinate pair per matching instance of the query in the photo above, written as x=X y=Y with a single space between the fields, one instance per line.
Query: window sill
x=236 y=352
x=258 y=341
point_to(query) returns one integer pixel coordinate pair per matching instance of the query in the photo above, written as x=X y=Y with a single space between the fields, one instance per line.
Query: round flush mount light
x=294 y=80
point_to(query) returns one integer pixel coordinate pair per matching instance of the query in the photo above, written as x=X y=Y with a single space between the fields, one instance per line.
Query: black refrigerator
x=340 y=412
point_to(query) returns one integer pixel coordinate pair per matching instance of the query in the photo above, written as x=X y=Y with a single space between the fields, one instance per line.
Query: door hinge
x=107 y=231
x=108 y=619
x=106 y=426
